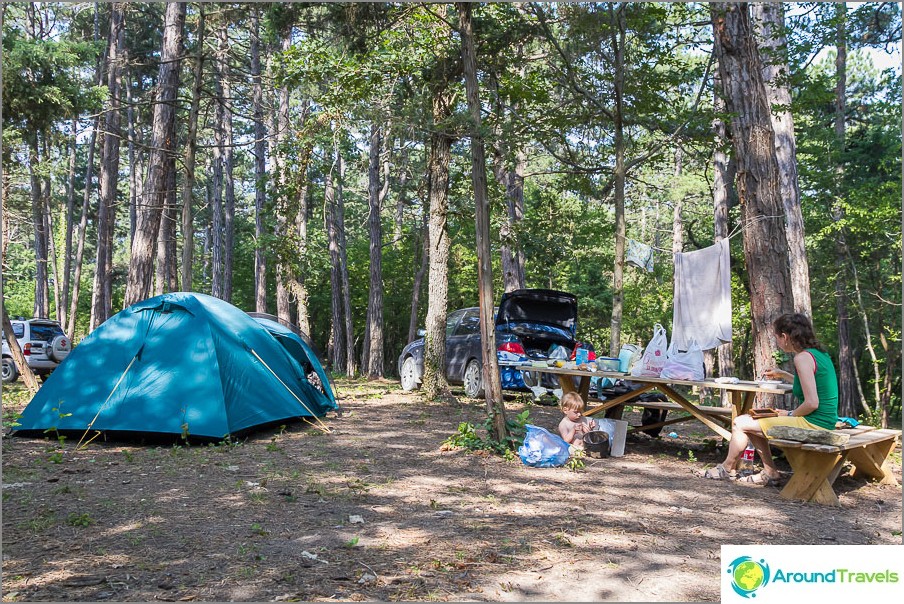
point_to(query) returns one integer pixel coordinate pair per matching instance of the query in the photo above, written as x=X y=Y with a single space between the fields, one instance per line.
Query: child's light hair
x=571 y=401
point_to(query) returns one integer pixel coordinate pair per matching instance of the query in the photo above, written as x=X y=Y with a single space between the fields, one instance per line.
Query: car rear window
x=45 y=332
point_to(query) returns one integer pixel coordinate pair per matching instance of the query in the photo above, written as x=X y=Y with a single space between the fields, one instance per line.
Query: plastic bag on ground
x=542 y=448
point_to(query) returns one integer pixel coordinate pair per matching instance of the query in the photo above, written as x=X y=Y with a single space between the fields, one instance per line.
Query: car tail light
x=513 y=347
x=26 y=350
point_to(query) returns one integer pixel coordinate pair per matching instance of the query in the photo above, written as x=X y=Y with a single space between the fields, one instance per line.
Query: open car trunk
x=540 y=318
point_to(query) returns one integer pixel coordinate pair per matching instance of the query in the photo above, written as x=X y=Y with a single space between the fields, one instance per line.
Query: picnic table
x=717 y=419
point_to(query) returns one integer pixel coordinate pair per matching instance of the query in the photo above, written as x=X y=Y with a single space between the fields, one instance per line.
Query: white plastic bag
x=654 y=355
x=685 y=365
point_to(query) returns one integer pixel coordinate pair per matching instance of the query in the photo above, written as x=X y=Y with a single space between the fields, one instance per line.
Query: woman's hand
x=777 y=374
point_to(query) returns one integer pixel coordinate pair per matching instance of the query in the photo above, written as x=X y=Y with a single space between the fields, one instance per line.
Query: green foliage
x=576 y=462
x=468 y=438
x=80 y=520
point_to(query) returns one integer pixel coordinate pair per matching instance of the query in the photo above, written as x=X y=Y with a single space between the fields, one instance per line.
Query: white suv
x=43 y=343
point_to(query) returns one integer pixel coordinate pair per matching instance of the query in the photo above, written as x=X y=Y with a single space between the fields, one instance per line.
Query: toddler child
x=574 y=425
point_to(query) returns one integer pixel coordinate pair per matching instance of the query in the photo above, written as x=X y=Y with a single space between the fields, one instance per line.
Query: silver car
x=42 y=342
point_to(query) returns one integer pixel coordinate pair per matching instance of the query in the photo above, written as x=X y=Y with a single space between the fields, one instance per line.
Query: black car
x=528 y=323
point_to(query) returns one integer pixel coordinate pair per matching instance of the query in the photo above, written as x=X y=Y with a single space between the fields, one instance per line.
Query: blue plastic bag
x=542 y=448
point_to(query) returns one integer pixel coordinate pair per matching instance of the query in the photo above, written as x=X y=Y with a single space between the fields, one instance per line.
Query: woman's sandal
x=719 y=473
x=763 y=479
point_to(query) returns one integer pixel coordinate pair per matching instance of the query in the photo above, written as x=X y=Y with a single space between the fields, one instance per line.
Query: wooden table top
x=742 y=385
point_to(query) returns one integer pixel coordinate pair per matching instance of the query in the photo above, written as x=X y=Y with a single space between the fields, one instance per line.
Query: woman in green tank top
x=815 y=385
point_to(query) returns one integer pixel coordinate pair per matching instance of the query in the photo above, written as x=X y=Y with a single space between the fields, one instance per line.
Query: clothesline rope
x=738 y=228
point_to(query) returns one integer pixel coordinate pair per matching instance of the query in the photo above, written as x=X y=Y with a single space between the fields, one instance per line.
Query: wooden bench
x=816 y=466
x=721 y=414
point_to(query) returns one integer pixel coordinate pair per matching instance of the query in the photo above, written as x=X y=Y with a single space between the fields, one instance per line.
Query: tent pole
x=325 y=429
x=107 y=401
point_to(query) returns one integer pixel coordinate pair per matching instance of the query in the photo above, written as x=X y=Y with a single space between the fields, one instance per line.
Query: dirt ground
x=378 y=509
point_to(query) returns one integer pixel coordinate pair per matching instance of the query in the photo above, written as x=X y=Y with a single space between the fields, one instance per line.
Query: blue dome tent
x=182 y=364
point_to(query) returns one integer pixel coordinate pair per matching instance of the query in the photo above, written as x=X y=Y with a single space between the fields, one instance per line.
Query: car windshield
x=45 y=332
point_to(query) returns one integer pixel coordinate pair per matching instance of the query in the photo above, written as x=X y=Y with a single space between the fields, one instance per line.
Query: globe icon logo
x=748 y=575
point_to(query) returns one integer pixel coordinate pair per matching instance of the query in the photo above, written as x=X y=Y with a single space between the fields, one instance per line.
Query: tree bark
x=15 y=351
x=373 y=341
x=70 y=220
x=758 y=178
x=336 y=348
x=419 y=275
x=678 y=209
x=351 y=366
x=847 y=387
x=216 y=208
x=284 y=272
x=434 y=380
x=153 y=196
x=191 y=145
x=618 y=127
x=228 y=176
x=41 y=302
x=769 y=22
x=723 y=197
x=101 y=304
x=82 y=230
x=260 y=173
x=491 y=379
x=511 y=254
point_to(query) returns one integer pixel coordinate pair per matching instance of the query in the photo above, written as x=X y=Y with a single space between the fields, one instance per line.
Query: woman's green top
x=826 y=415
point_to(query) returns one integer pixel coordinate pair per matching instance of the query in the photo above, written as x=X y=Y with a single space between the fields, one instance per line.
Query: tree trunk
x=284 y=272
x=216 y=207
x=618 y=126
x=101 y=306
x=134 y=168
x=70 y=220
x=373 y=341
x=847 y=387
x=15 y=351
x=511 y=254
x=491 y=379
x=758 y=178
x=350 y=367
x=53 y=268
x=678 y=209
x=37 y=215
x=228 y=161
x=336 y=348
x=166 y=242
x=191 y=144
x=723 y=197
x=434 y=379
x=82 y=230
x=153 y=196
x=419 y=276
x=402 y=199
x=769 y=23
x=260 y=173
x=301 y=226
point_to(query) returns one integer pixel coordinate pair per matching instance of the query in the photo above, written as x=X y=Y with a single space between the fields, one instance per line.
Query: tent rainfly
x=182 y=364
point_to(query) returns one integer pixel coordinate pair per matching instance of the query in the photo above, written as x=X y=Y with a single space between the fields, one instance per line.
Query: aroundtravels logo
x=748 y=575
x=786 y=573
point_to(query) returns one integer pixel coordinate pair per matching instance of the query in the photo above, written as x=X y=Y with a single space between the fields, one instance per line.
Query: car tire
x=9 y=372
x=409 y=376
x=473 y=379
